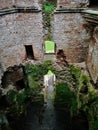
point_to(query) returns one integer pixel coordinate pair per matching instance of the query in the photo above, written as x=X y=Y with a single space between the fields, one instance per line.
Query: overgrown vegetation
x=17 y=101
x=78 y=95
x=48 y=8
x=65 y=98
x=74 y=92
x=87 y=97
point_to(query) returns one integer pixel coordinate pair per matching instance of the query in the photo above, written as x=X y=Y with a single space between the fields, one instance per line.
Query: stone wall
x=71 y=33
x=11 y=3
x=17 y=30
x=72 y=3
x=92 y=60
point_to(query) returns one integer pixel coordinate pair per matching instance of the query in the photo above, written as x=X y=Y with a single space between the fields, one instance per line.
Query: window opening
x=50 y=47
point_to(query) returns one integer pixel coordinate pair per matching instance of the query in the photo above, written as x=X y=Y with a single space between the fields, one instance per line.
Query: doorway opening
x=49 y=85
x=29 y=51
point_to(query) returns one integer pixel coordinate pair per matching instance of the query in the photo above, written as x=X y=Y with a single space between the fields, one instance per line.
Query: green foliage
x=17 y=101
x=12 y=96
x=39 y=70
x=65 y=98
x=80 y=96
x=87 y=97
x=34 y=77
x=96 y=125
x=49 y=5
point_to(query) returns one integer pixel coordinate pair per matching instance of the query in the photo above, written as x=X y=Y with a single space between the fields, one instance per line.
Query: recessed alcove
x=29 y=51
x=20 y=84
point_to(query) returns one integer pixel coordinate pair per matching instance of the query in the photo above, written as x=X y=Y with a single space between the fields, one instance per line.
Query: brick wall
x=11 y=3
x=71 y=33
x=72 y=3
x=17 y=30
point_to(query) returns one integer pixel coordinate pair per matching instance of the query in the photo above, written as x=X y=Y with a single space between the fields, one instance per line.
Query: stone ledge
x=19 y=10
x=69 y=10
x=90 y=16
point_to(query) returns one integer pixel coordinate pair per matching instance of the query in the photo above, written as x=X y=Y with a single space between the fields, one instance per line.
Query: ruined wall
x=71 y=33
x=92 y=60
x=17 y=30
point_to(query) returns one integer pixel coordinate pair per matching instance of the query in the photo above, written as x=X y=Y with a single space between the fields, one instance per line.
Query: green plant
x=17 y=101
x=87 y=97
x=65 y=98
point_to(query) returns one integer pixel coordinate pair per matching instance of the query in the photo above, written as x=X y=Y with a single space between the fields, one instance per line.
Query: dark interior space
x=93 y=3
x=20 y=84
x=3 y=102
x=29 y=51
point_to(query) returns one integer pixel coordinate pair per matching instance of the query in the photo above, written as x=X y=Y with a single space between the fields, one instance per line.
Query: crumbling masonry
x=74 y=28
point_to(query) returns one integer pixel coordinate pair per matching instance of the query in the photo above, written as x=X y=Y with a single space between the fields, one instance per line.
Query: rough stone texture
x=92 y=60
x=12 y=3
x=17 y=30
x=27 y=3
x=72 y=3
x=71 y=33
x=12 y=75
